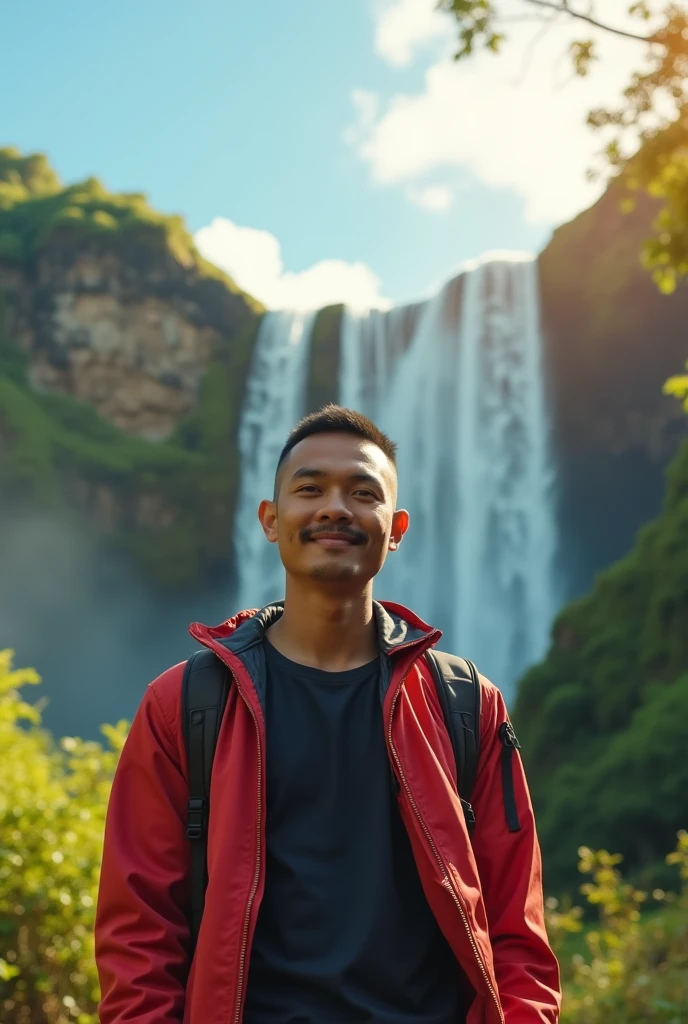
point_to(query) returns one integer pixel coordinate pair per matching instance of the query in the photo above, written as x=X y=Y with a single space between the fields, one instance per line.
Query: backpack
x=204 y=695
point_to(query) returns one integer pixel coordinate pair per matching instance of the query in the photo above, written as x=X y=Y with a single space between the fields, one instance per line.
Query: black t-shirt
x=344 y=932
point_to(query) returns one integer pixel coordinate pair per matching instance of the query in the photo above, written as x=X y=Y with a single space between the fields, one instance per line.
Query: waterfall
x=459 y=383
x=274 y=401
x=461 y=387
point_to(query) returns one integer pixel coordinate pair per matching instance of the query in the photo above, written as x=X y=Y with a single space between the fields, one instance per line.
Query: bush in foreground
x=631 y=966
x=53 y=799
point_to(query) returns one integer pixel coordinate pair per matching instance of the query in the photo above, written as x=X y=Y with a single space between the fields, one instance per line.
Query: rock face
x=612 y=341
x=612 y=337
x=129 y=332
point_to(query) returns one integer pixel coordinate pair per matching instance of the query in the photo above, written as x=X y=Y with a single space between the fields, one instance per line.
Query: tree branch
x=547 y=22
x=562 y=7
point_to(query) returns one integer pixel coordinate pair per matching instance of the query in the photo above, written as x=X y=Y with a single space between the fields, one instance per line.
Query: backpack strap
x=204 y=694
x=459 y=691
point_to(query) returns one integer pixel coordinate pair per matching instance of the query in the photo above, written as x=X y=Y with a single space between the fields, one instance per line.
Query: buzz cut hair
x=335 y=419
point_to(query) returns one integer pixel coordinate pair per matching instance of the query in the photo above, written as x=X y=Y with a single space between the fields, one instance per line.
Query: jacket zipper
x=445 y=873
x=254 y=886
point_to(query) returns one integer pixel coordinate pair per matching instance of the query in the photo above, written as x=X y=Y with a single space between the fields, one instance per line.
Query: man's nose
x=334 y=506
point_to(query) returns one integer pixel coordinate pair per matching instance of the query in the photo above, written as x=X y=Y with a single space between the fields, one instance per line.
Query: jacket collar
x=397 y=628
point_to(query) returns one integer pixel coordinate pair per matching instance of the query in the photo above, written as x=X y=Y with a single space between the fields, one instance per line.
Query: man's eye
x=308 y=487
x=368 y=494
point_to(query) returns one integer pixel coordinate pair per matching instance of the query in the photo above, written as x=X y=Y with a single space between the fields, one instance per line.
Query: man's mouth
x=332 y=540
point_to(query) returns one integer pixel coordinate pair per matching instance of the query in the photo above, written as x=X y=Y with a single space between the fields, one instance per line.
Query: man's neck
x=326 y=631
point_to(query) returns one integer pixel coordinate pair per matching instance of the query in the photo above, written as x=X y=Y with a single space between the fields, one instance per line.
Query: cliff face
x=129 y=333
x=612 y=337
x=612 y=340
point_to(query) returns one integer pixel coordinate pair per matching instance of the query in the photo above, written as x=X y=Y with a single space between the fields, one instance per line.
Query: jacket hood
x=397 y=627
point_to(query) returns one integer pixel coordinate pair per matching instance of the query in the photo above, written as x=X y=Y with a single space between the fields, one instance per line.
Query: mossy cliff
x=602 y=720
x=122 y=362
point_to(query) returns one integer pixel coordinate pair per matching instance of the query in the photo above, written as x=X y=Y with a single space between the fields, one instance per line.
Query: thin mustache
x=355 y=538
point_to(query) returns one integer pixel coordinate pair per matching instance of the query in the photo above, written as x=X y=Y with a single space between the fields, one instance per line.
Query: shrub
x=53 y=798
x=633 y=965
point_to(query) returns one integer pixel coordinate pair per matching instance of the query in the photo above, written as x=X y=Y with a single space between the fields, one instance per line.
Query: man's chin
x=333 y=571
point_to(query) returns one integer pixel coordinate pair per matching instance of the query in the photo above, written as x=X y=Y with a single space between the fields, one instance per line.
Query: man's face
x=334 y=518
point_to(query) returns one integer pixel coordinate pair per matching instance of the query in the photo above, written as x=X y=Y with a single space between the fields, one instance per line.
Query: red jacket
x=486 y=894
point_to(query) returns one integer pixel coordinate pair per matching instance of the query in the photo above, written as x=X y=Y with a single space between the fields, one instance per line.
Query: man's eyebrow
x=307 y=471
x=367 y=478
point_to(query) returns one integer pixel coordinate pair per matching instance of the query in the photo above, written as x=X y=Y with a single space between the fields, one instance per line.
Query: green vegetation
x=53 y=799
x=630 y=965
x=602 y=719
x=36 y=209
x=652 y=111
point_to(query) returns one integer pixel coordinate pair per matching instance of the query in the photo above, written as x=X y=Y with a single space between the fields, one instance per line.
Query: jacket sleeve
x=511 y=875
x=141 y=930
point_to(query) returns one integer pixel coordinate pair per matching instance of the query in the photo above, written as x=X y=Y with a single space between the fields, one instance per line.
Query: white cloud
x=405 y=25
x=433 y=197
x=253 y=259
x=514 y=121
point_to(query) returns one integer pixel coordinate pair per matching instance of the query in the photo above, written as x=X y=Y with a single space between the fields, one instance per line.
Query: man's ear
x=400 y=524
x=267 y=513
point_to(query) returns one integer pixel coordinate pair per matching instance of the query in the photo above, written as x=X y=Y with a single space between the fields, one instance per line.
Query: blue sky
x=306 y=131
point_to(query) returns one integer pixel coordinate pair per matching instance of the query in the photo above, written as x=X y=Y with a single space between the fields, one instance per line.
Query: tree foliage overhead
x=648 y=144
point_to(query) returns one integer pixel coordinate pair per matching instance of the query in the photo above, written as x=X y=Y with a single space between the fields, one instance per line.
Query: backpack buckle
x=195 y=818
x=508 y=736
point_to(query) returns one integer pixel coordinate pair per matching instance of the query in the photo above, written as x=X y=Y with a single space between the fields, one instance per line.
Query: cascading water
x=274 y=401
x=458 y=382
x=462 y=391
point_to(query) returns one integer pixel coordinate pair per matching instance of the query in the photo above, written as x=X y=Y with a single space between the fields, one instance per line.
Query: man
x=343 y=885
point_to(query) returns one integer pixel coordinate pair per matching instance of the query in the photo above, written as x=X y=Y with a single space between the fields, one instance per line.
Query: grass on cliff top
x=35 y=208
